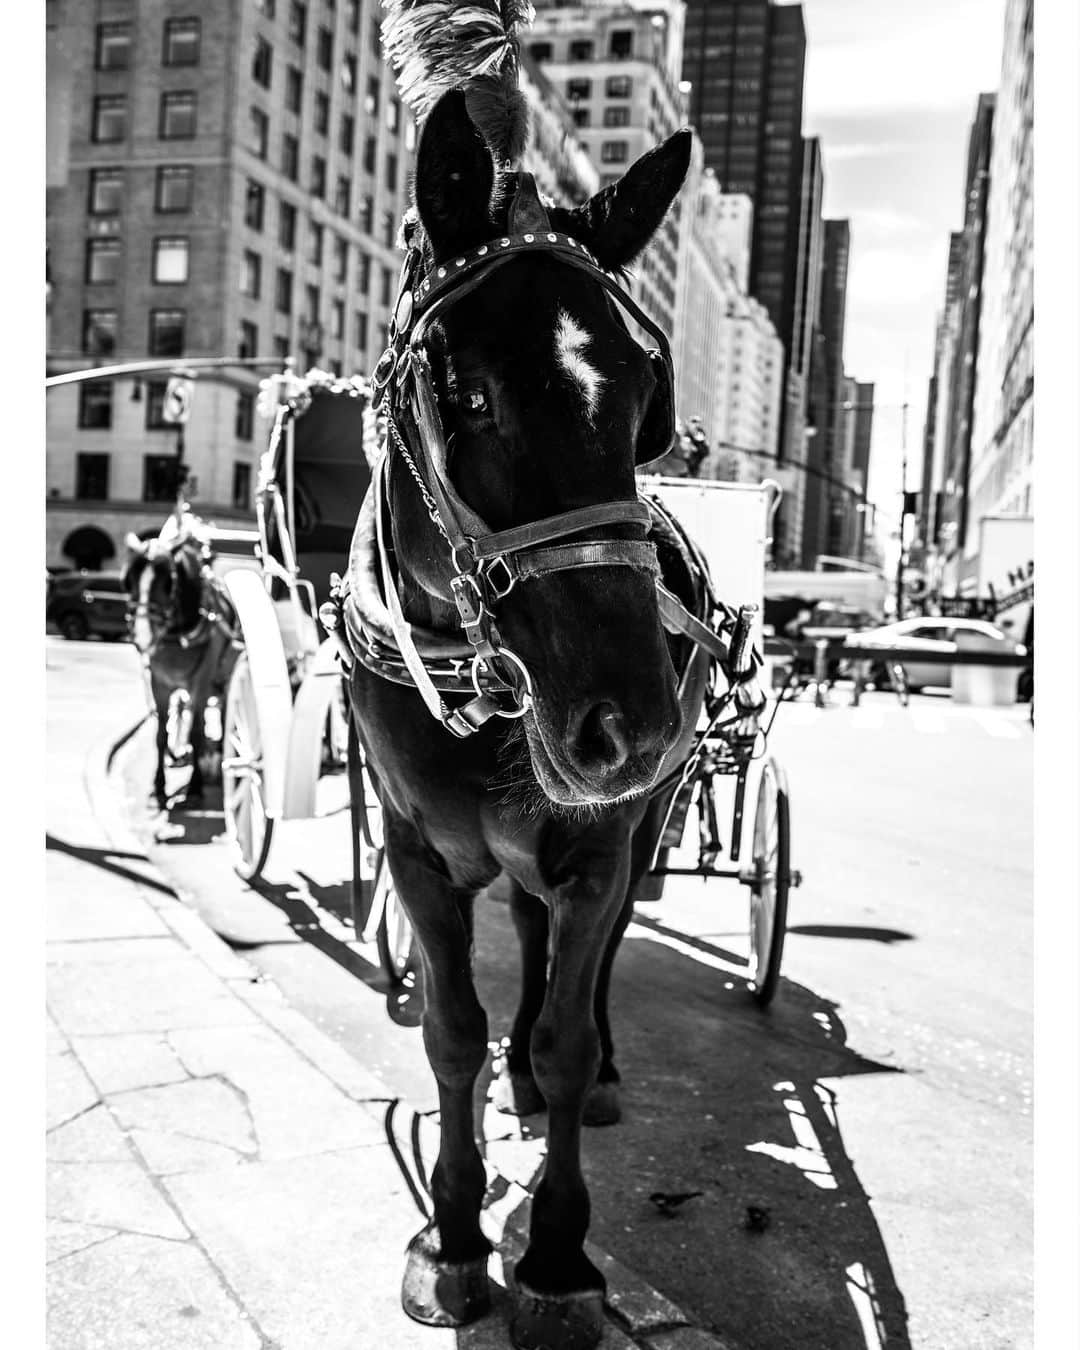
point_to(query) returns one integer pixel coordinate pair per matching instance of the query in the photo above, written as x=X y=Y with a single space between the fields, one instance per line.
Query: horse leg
x=198 y=694
x=604 y=1104
x=161 y=708
x=515 y=1090
x=445 y=1280
x=559 y=1293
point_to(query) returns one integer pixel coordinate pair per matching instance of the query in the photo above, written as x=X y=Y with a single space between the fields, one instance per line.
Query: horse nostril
x=602 y=739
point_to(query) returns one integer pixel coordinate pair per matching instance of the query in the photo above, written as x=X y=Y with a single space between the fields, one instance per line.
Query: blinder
x=657 y=433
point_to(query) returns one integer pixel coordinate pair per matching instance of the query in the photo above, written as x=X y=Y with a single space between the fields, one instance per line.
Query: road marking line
x=867 y=719
x=995 y=723
x=928 y=721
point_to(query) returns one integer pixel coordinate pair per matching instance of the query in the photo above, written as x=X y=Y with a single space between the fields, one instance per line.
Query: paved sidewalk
x=220 y=1173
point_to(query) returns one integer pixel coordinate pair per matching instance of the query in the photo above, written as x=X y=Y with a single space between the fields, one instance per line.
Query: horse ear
x=454 y=177
x=620 y=219
x=134 y=544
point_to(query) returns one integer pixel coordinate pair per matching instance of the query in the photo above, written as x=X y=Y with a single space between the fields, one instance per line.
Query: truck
x=1005 y=572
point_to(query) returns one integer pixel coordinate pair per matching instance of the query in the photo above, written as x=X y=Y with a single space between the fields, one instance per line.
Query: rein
x=487 y=564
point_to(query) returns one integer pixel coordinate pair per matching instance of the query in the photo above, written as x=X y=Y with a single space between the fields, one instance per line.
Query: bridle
x=488 y=564
x=164 y=620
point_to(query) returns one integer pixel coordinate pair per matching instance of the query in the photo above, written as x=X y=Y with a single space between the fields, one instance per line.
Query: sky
x=891 y=88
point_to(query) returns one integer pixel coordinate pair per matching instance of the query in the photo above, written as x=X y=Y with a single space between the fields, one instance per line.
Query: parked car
x=82 y=604
x=929 y=634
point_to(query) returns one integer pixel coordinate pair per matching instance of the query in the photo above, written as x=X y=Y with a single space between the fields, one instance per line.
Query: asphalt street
x=863 y=1149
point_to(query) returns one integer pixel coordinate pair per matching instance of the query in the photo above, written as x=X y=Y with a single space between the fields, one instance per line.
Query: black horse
x=182 y=624
x=519 y=406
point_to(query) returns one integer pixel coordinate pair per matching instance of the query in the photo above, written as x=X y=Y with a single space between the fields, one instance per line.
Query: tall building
x=947 y=477
x=554 y=156
x=617 y=66
x=223 y=179
x=744 y=60
x=1000 y=477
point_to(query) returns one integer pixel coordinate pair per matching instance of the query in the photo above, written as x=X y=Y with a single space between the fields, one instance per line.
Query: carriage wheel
x=769 y=879
x=248 y=826
x=394 y=935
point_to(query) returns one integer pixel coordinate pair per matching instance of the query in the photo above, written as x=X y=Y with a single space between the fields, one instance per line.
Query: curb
x=638 y=1314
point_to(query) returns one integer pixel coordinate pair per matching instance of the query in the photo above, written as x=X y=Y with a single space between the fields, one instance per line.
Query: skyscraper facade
x=744 y=60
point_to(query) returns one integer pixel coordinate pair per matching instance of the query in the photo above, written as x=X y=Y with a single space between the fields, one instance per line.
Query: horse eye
x=474 y=401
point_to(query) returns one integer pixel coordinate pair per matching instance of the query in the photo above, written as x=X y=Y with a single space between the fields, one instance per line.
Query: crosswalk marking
x=933 y=717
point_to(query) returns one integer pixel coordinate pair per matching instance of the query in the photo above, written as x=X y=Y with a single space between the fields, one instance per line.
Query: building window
x=369 y=154
x=241 y=480
x=578 y=89
x=170 y=261
x=110 y=119
x=363 y=279
x=393 y=116
x=182 y=38
x=283 y=285
x=618 y=86
x=95 y=405
x=361 y=330
x=167 y=332
x=322 y=113
x=281 y=347
x=248 y=344
x=622 y=42
x=352 y=15
x=172 y=190
x=290 y=157
x=298 y=23
x=410 y=135
x=389 y=228
x=337 y=318
x=287 y=226
x=294 y=89
x=392 y=172
x=613 y=152
x=267 y=7
x=540 y=51
x=177 y=118
x=311 y=304
x=318 y=176
x=375 y=37
x=254 y=205
x=113 y=48
x=582 y=117
x=347 y=134
x=260 y=133
x=244 y=422
x=348 y=73
x=324 y=51
x=99 y=332
x=106 y=192
x=387 y=284
x=581 y=50
x=341 y=258
x=315 y=243
x=618 y=116
x=371 y=98
x=102 y=261
x=343 y=196
x=92 y=478
x=155 y=406
x=250 y=275
x=262 y=63
x=367 y=214
x=160 y=475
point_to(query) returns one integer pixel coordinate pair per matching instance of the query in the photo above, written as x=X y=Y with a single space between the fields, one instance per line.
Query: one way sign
x=176 y=405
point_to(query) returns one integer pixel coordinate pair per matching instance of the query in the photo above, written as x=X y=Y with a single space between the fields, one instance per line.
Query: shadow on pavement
x=104 y=858
x=838 y=930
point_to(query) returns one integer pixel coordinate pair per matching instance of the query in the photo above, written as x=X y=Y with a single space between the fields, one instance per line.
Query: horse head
x=547 y=404
x=163 y=580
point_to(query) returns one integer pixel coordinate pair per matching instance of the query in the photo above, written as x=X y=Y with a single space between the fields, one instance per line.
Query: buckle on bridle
x=498 y=589
x=520 y=689
x=468 y=597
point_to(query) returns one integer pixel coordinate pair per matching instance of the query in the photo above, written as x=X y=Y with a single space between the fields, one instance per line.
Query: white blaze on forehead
x=570 y=343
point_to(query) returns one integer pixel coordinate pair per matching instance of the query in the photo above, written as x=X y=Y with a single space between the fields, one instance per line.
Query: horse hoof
x=516 y=1094
x=603 y=1105
x=557 y=1322
x=443 y=1293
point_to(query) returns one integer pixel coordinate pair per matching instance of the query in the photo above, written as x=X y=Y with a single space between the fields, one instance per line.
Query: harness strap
x=555 y=527
x=566 y=557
